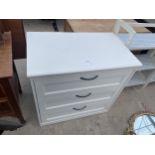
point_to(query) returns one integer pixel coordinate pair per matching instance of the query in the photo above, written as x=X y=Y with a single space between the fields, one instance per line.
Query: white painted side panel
x=36 y=101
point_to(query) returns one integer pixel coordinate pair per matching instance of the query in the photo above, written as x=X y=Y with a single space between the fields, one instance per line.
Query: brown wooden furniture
x=9 y=86
x=18 y=36
x=92 y=25
x=18 y=39
x=151 y=29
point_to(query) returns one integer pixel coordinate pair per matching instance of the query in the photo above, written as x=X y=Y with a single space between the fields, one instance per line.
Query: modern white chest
x=76 y=74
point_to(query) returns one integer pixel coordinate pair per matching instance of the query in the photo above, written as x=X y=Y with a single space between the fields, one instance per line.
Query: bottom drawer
x=75 y=109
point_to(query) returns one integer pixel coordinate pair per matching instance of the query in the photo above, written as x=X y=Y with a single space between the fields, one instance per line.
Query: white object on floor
x=139 y=41
x=133 y=40
x=76 y=74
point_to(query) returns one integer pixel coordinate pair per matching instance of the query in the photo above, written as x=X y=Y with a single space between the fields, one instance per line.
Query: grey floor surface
x=114 y=122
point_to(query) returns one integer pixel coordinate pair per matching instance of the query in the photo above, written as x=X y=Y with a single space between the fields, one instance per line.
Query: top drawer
x=78 y=80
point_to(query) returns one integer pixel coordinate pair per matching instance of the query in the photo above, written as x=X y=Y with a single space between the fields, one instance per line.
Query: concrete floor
x=113 y=122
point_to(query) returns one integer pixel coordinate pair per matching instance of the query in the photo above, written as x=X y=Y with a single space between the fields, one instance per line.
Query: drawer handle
x=89 y=79
x=82 y=96
x=78 y=109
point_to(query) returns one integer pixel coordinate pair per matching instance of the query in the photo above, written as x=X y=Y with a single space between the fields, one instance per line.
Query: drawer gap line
x=70 y=90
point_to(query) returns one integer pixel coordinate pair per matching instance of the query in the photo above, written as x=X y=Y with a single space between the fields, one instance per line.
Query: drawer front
x=69 y=97
x=78 y=80
x=76 y=109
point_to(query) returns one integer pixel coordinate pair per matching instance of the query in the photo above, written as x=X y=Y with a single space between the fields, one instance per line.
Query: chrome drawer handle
x=89 y=79
x=78 y=109
x=82 y=96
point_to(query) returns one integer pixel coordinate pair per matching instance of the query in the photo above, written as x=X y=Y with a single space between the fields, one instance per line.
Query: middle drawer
x=78 y=95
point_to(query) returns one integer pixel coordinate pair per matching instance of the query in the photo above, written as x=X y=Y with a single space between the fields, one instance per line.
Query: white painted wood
x=107 y=76
x=147 y=61
x=50 y=53
x=135 y=24
x=36 y=101
x=153 y=78
x=131 y=39
x=62 y=112
x=68 y=97
x=149 y=77
x=122 y=24
x=74 y=116
x=100 y=85
x=57 y=61
x=140 y=41
x=126 y=80
x=58 y=84
x=117 y=27
x=137 y=79
x=117 y=92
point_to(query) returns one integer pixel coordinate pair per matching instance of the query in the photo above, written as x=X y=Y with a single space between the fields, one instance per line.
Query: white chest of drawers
x=76 y=74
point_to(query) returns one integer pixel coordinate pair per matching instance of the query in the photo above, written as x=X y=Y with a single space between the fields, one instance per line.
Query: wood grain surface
x=6 y=69
x=94 y=25
x=18 y=36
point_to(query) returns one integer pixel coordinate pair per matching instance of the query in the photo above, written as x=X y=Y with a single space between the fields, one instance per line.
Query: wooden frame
x=130 y=130
x=9 y=84
x=12 y=99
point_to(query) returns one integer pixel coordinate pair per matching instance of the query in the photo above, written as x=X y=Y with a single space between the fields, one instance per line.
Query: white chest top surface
x=50 y=53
